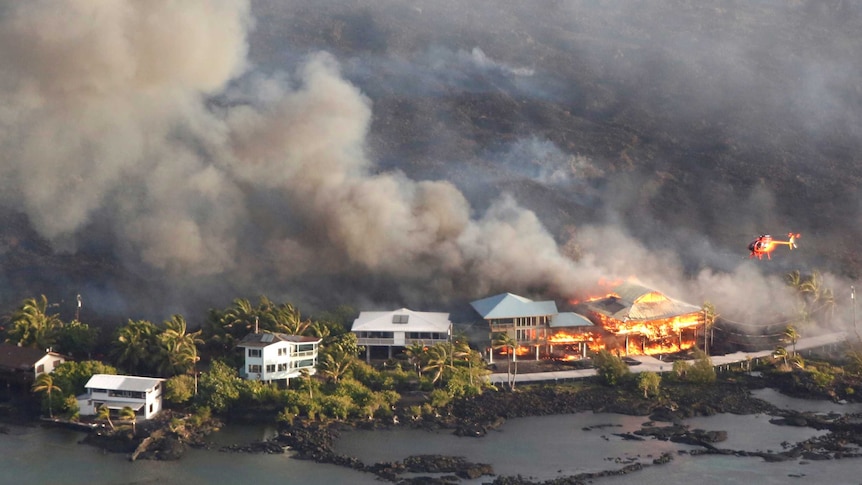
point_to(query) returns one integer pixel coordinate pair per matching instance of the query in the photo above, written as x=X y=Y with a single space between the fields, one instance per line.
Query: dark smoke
x=174 y=156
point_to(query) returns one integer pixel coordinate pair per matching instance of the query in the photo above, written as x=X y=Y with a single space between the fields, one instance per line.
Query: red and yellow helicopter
x=764 y=245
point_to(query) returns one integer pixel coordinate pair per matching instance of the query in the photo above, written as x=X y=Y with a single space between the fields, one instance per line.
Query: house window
x=270 y=367
x=55 y=364
x=282 y=367
x=151 y=407
x=282 y=351
x=400 y=318
x=254 y=352
x=40 y=368
x=254 y=369
x=305 y=348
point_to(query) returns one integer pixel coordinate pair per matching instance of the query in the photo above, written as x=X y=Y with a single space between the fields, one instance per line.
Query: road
x=649 y=363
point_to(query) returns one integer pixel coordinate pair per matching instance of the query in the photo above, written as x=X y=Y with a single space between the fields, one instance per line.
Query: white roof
x=122 y=383
x=402 y=320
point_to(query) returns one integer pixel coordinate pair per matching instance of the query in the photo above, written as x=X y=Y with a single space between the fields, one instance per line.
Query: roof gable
x=122 y=383
x=265 y=339
x=21 y=358
x=508 y=305
x=401 y=320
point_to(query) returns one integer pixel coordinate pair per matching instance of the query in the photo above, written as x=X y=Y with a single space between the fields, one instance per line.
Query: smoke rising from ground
x=218 y=149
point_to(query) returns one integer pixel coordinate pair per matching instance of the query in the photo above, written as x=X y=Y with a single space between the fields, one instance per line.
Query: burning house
x=644 y=321
x=632 y=319
x=535 y=325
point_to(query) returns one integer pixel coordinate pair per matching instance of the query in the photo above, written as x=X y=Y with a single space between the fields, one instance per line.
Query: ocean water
x=539 y=448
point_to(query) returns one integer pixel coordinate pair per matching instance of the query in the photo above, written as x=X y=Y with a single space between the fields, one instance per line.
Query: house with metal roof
x=142 y=394
x=650 y=321
x=22 y=365
x=400 y=328
x=277 y=356
x=523 y=319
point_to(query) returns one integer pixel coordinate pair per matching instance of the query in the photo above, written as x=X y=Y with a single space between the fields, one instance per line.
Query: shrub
x=179 y=389
x=610 y=368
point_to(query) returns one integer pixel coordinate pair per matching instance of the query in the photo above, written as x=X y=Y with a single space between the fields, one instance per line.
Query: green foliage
x=681 y=369
x=438 y=398
x=179 y=389
x=76 y=339
x=32 y=325
x=71 y=410
x=337 y=406
x=219 y=387
x=610 y=368
x=45 y=384
x=649 y=383
x=73 y=376
x=702 y=370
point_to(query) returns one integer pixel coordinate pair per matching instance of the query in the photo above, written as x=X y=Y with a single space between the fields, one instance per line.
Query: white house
x=142 y=394
x=25 y=364
x=274 y=356
x=400 y=328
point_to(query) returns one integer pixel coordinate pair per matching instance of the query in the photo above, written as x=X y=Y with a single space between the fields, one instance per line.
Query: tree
x=104 y=414
x=32 y=326
x=415 y=353
x=505 y=341
x=791 y=336
x=335 y=362
x=439 y=360
x=45 y=383
x=609 y=367
x=72 y=376
x=136 y=348
x=287 y=319
x=219 y=387
x=180 y=346
x=702 y=371
x=128 y=414
x=781 y=352
x=179 y=389
x=649 y=383
x=76 y=339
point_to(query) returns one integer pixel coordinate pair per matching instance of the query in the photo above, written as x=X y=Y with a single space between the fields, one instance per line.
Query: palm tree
x=136 y=347
x=32 y=326
x=336 y=362
x=307 y=381
x=791 y=336
x=507 y=342
x=180 y=346
x=128 y=414
x=416 y=354
x=45 y=383
x=709 y=318
x=439 y=359
x=287 y=319
x=104 y=414
x=782 y=353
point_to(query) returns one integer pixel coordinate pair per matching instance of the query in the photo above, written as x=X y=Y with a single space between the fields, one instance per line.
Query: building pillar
x=390 y=351
x=368 y=354
x=537 y=352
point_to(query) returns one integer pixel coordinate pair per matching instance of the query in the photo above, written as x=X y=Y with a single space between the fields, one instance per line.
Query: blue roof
x=570 y=319
x=507 y=305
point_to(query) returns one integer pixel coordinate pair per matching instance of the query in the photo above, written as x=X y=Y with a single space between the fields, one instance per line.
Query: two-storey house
x=277 y=356
x=142 y=394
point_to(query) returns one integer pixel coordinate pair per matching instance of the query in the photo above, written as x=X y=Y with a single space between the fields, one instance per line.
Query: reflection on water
x=539 y=448
x=36 y=455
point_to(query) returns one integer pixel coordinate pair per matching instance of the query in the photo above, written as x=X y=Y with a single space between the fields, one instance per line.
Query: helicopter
x=764 y=245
